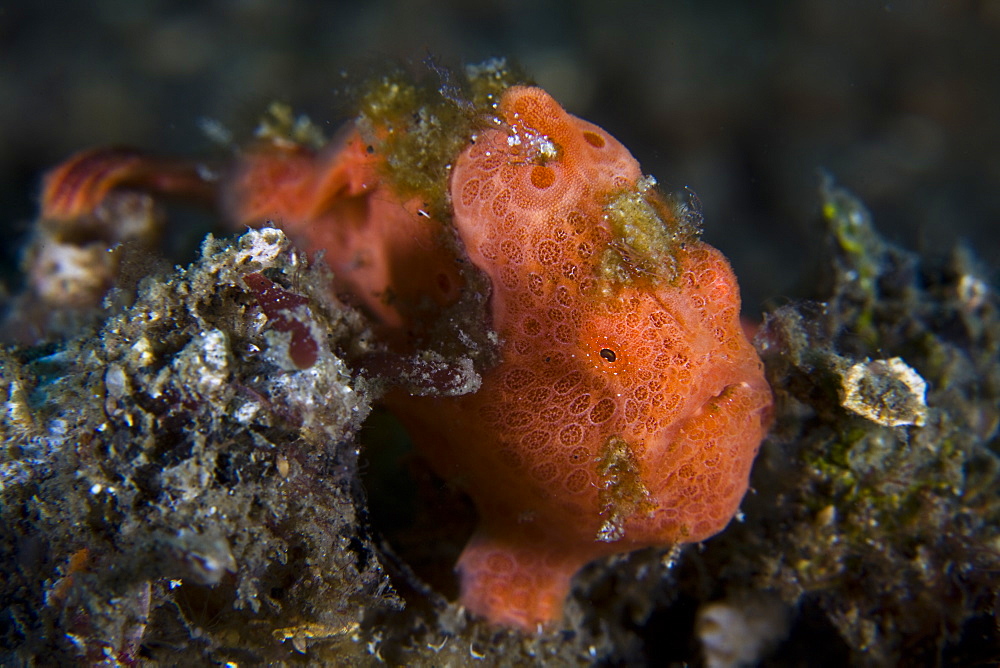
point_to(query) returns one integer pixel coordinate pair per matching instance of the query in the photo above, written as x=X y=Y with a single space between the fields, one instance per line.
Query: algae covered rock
x=879 y=498
x=170 y=490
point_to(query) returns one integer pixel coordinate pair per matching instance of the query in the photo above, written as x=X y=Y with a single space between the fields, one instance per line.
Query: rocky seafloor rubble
x=182 y=480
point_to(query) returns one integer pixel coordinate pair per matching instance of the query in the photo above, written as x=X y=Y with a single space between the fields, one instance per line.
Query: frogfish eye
x=608 y=354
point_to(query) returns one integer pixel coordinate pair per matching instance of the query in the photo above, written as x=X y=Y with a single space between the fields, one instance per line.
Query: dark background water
x=742 y=102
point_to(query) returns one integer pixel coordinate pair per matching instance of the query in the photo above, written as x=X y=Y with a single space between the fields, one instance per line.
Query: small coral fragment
x=886 y=391
x=281 y=127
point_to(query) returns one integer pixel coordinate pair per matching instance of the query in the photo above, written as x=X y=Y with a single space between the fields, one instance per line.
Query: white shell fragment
x=888 y=392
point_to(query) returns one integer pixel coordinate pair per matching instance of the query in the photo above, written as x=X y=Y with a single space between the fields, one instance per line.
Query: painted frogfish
x=620 y=405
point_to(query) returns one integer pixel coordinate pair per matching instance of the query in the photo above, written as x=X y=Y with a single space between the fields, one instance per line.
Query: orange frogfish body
x=627 y=406
x=384 y=251
x=624 y=405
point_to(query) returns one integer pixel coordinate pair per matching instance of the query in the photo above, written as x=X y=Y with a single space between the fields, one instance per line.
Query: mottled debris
x=887 y=392
x=213 y=491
